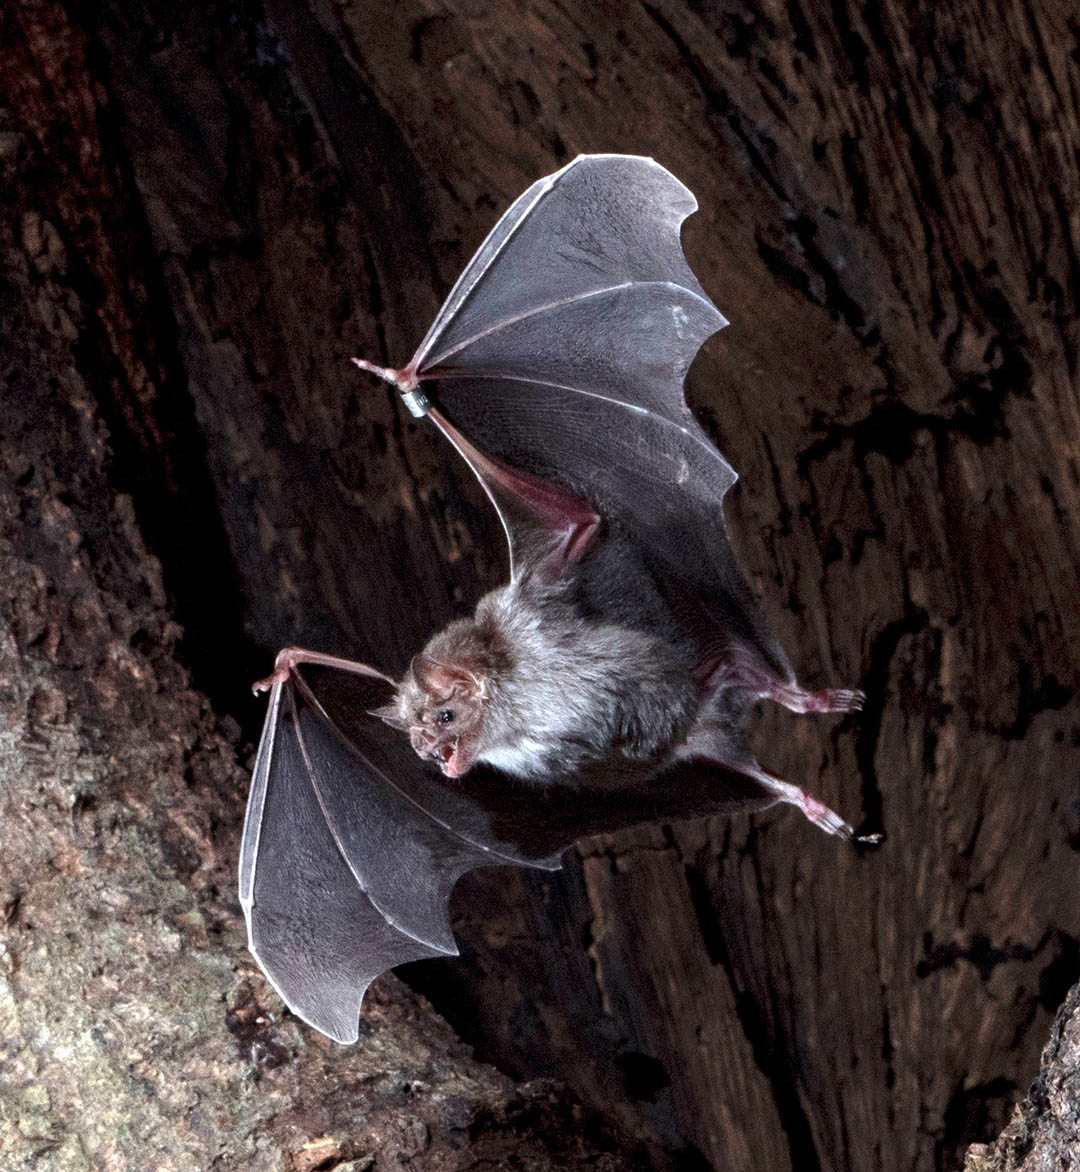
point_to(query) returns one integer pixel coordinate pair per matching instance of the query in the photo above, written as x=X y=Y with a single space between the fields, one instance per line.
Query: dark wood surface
x=889 y=218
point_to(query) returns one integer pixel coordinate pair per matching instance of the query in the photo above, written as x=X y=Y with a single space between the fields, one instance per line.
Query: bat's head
x=440 y=703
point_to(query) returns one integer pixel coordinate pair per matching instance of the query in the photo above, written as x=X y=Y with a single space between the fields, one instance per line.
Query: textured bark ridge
x=205 y=213
x=1045 y=1129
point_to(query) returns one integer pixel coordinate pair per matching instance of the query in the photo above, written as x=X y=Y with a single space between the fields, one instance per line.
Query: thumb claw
x=277 y=677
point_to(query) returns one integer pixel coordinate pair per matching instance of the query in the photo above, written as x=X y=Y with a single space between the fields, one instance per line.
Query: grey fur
x=561 y=691
x=577 y=694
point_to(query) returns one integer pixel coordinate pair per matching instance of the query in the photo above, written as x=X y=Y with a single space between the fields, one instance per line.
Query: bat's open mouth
x=453 y=760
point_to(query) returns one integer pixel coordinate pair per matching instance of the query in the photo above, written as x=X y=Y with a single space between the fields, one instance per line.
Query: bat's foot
x=827 y=700
x=738 y=667
x=815 y=811
x=822 y=816
x=830 y=700
x=797 y=699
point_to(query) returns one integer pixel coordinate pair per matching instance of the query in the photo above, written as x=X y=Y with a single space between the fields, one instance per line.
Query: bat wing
x=562 y=351
x=352 y=845
x=351 y=848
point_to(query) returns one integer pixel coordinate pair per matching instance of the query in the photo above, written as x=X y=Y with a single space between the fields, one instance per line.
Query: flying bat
x=608 y=683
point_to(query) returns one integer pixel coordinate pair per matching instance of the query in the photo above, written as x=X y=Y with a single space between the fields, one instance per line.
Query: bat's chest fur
x=577 y=693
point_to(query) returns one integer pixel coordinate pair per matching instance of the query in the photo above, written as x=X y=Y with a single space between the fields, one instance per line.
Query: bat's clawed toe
x=839 y=700
x=822 y=816
x=848 y=700
x=404 y=380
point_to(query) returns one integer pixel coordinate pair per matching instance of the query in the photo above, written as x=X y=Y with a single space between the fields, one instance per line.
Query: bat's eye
x=446 y=716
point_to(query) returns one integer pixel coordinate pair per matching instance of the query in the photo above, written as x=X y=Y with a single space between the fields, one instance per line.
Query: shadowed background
x=247 y=194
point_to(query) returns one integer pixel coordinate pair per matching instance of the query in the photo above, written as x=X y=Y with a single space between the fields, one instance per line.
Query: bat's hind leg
x=826 y=700
x=713 y=744
x=739 y=667
x=816 y=811
x=291 y=657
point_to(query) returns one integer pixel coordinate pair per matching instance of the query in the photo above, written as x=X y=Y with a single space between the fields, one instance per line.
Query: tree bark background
x=221 y=205
x=1044 y=1131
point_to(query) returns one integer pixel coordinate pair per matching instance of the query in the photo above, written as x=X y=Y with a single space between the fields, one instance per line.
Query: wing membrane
x=629 y=343
x=314 y=931
x=562 y=353
x=351 y=848
x=350 y=853
x=603 y=220
x=662 y=481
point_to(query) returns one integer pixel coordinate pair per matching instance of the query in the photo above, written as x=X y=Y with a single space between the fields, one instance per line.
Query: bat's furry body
x=570 y=684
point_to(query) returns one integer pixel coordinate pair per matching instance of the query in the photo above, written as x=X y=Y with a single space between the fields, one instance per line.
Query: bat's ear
x=389 y=715
x=438 y=679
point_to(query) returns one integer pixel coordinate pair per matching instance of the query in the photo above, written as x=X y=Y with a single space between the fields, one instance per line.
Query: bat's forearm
x=290 y=658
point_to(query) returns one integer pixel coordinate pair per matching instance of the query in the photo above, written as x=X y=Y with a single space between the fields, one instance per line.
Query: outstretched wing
x=351 y=848
x=562 y=351
x=352 y=845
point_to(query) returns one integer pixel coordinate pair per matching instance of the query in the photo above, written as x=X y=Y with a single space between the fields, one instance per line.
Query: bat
x=608 y=683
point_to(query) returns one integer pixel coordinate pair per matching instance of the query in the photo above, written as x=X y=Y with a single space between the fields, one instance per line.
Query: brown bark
x=1044 y=1131
x=135 y=1030
x=239 y=198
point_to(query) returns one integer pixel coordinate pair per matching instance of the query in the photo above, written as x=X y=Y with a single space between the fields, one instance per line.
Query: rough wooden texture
x=1044 y=1132
x=135 y=1030
x=888 y=217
